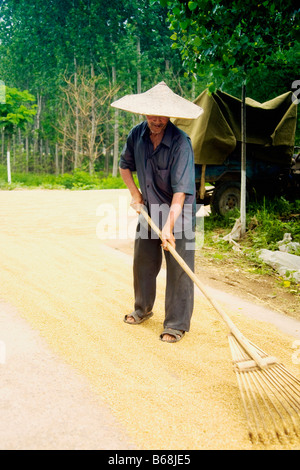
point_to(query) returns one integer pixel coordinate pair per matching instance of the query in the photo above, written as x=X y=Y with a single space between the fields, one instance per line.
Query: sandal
x=177 y=334
x=137 y=318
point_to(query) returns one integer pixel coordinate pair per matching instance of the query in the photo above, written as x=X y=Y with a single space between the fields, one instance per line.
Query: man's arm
x=137 y=198
x=175 y=211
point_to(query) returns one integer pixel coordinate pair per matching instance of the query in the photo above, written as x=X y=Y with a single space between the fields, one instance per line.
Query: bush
x=77 y=180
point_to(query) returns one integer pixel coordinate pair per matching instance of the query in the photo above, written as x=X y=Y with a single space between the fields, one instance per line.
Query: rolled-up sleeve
x=127 y=160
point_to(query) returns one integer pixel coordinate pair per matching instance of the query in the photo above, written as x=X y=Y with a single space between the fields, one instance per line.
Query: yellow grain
x=75 y=290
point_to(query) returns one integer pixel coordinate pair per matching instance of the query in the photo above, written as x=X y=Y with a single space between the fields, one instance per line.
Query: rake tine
x=255 y=383
x=291 y=383
x=271 y=407
x=290 y=399
x=278 y=383
x=244 y=401
x=250 y=404
x=258 y=413
x=238 y=355
x=282 y=393
x=288 y=374
x=285 y=378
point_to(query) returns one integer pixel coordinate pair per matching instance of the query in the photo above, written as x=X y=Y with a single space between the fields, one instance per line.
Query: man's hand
x=175 y=211
x=167 y=236
x=137 y=202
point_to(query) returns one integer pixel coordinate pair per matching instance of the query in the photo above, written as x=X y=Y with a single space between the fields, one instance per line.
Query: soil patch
x=235 y=276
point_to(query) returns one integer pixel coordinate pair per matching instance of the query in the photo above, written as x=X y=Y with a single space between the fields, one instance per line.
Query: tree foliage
x=17 y=109
x=229 y=42
x=44 y=46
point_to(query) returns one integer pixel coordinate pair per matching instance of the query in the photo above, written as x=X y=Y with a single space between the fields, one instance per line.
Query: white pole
x=243 y=162
x=8 y=168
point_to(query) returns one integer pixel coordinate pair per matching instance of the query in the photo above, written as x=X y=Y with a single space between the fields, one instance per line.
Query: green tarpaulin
x=270 y=127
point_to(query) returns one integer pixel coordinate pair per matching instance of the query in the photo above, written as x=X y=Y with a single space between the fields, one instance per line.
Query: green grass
x=266 y=223
x=78 y=180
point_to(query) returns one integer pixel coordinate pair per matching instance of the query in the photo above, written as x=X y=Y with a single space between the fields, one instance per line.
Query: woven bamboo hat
x=159 y=101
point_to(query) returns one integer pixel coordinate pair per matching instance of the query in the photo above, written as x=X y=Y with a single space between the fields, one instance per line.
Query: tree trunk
x=76 y=120
x=93 y=130
x=14 y=151
x=8 y=161
x=37 y=127
x=116 y=133
x=2 y=143
x=107 y=152
x=41 y=154
x=63 y=151
x=139 y=78
x=27 y=153
x=56 y=160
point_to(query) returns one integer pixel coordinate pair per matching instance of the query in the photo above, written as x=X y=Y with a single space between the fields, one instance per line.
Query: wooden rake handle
x=260 y=361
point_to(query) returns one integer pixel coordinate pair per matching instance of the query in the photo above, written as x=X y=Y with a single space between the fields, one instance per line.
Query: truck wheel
x=226 y=197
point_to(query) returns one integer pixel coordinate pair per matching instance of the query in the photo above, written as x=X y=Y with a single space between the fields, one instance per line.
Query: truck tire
x=226 y=197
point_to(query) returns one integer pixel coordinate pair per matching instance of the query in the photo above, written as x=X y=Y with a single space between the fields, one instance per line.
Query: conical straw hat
x=159 y=101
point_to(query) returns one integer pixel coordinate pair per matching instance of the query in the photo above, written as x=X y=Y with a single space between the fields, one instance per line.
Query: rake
x=270 y=393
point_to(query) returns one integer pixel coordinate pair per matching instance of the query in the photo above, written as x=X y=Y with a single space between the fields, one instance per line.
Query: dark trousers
x=179 y=296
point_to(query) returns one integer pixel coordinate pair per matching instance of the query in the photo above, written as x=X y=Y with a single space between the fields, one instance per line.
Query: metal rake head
x=270 y=396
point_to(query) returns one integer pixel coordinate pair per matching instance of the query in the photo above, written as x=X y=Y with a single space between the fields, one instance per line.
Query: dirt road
x=75 y=375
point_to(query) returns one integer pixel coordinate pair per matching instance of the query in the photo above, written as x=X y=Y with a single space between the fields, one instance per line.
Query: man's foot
x=130 y=319
x=134 y=319
x=169 y=335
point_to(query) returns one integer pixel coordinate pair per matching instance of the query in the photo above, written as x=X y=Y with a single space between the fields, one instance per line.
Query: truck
x=272 y=161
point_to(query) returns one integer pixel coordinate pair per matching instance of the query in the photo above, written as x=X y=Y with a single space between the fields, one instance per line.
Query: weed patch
x=266 y=225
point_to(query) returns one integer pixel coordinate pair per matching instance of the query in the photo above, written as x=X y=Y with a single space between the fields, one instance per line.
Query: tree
x=125 y=41
x=16 y=111
x=232 y=42
x=86 y=109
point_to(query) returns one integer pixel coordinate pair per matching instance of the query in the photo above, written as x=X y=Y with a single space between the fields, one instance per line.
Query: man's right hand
x=136 y=203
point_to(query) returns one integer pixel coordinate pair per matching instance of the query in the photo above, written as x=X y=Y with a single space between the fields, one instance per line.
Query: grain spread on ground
x=74 y=289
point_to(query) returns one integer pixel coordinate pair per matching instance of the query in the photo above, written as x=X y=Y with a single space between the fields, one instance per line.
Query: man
x=162 y=156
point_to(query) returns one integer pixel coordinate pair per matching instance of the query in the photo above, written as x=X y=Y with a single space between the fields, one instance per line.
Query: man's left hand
x=167 y=236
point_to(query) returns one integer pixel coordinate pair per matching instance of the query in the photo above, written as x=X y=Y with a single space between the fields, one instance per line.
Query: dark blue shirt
x=164 y=171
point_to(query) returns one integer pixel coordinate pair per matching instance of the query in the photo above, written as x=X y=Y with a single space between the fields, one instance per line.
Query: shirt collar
x=167 y=138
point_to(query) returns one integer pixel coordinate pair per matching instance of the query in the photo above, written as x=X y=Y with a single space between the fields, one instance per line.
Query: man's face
x=157 y=124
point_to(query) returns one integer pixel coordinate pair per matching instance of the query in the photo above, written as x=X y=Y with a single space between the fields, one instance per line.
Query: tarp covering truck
x=272 y=167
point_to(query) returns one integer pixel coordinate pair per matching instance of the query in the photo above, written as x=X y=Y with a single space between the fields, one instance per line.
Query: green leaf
x=197 y=41
x=192 y=5
x=184 y=24
x=211 y=87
